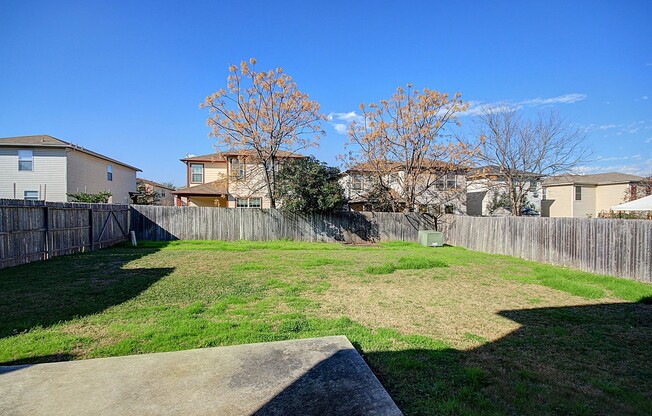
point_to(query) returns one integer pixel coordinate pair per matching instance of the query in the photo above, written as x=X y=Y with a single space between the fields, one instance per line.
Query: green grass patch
x=416 y=334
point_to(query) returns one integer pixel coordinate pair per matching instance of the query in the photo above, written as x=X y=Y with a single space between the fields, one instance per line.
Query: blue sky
x=125 y=78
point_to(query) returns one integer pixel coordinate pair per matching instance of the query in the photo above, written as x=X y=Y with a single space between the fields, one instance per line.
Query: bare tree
x=264 y=114
x=519 y=150
x=402 y=145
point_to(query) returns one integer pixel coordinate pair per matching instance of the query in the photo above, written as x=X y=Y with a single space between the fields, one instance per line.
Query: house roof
x=221 y=156
x=398 y=166
x=158 y=185
x=595 y=179
x=211 y=157
x=493 y=170
x=49 y=141
x=218 y=187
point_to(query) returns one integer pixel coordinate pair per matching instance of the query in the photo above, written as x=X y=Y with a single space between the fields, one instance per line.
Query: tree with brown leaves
x=403 y=146
x=263 y=112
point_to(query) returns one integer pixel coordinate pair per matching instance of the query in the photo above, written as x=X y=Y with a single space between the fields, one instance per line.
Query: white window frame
x=34 y=196
x=26 y=156
x=201 y=173
x=578 y=193
x=238 y=168
x=357 y=182
x=249 y=202
x=109 y=173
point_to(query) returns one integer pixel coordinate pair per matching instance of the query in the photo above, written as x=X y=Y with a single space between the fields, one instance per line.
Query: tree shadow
x=44 y=293
x=581 y=360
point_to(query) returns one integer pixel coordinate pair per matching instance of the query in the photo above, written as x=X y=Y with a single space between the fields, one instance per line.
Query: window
x=238 y=168
x=109 y=172
x=248 y=202
x=196 y=173
x=31 y=195
x=449 y=209
x=450 y=181
x=357 y=182
x=25 y=160
x=533 y=185
x=440 y=185
x=578 y=193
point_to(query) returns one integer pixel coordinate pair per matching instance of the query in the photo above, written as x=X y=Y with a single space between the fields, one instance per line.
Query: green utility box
x=431 y=238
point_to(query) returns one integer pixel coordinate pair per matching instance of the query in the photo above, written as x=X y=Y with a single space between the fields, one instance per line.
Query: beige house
x=228 y=179
x=584 y=196
x=164 y=192
x=46 y=168
x=445 y=186
x=487 y=182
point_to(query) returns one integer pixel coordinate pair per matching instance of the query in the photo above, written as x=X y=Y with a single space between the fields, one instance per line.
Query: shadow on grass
x=580 y=360
x=44 y=293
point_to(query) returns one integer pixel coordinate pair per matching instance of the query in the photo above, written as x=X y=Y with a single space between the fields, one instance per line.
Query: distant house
x=233 y=179
x=486 y=183
x=583 y=196
x=46 y=168
x=445 y=184
x=165 y=196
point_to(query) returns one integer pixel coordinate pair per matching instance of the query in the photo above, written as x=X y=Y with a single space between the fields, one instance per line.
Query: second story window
x=237 y=168
x=357 y=182
x=450 y=181
x=109 y=172
x=25 y=160
x=578 y=193
x=196 y=173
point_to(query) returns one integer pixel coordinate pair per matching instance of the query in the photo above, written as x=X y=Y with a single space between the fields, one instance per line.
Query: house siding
x=48 y=175
x=584 y=208
x=609 y=195
x=560 y=200
x=87 y=173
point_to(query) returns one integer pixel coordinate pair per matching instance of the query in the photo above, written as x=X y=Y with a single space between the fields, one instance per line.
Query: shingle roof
x=493 y=170
x=221 y=157
x=44 y=140
x=211 y=157
x=218 y=187
x=398 y=166
x=153 y=183
x=595 y=179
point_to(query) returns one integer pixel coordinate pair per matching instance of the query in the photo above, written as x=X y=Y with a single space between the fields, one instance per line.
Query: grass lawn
x=447 y=331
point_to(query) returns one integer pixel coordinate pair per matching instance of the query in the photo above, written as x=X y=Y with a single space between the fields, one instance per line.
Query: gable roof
x=595 y=179
x=493 y=170
x=222 y=156
x=398 y=166
x=49 y=141
x=147 y=181
x=218 y=187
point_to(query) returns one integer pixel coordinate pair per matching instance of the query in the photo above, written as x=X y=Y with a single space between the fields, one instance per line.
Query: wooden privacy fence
x=37 y=230
x=207 y=223
x=606 y=246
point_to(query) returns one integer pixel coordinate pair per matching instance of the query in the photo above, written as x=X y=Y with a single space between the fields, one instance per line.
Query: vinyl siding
x=214 y=171
x=561 y=200
x=48 y=176
x=586 y=206
x=87 y=173
x=609 y=195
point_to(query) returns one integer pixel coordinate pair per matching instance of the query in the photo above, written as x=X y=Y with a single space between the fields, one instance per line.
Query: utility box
x=430 y=238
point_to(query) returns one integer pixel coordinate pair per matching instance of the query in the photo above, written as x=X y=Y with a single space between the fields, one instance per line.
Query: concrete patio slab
x=319 y=376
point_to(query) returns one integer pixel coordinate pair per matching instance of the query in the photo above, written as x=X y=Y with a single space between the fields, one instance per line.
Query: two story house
x=442 y=186
x=487 y=182
x=583 y=196
x=163 y=192
x=233 y=179
x=46 y=168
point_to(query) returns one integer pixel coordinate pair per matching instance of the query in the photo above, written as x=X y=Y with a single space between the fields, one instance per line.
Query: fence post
x=90 y=228
x=47 y=243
